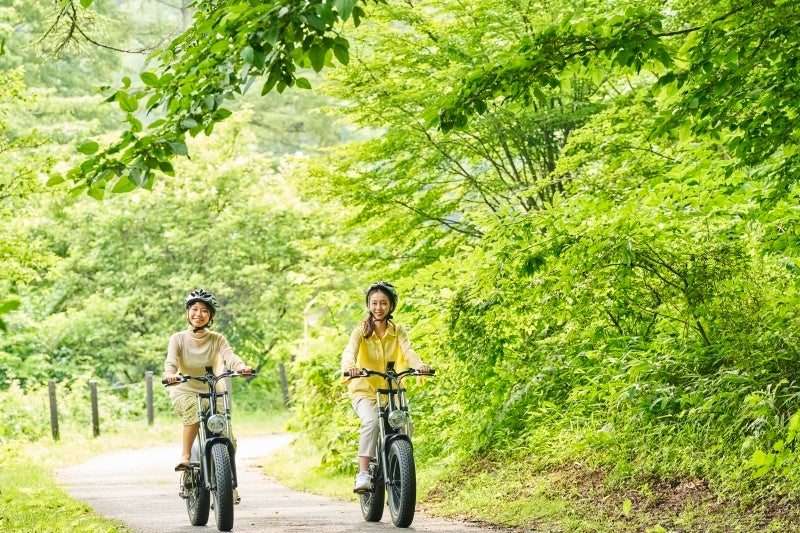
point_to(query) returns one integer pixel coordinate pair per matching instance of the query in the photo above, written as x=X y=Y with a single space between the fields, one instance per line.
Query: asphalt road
x=140 y=488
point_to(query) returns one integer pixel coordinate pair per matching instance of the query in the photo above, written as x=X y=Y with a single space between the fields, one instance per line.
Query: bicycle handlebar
x=183 y=378
x=365 y=372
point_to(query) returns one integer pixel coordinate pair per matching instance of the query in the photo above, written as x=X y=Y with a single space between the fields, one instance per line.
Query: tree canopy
x=589 y=210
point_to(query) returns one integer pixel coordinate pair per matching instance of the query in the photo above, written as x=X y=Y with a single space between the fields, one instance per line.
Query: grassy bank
x=519 y=496
x=30 y=499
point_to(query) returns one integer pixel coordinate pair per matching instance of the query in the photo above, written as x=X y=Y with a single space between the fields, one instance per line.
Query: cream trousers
x=366 y=410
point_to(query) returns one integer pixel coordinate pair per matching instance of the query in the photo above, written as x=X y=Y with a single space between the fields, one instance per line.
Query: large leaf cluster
x=230 y=45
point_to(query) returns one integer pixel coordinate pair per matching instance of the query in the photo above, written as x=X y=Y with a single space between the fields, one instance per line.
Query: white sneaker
x=363 y=482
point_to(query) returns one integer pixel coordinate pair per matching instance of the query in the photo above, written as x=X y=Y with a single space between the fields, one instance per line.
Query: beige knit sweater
x=189 y=353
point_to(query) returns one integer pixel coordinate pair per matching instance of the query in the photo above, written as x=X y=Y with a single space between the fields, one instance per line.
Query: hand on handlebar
x=355 y=372
x=352 y=372
x=170 y=379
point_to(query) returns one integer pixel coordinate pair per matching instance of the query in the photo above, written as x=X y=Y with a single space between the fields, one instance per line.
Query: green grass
x=521 y=495
x=517 y=494
x=30 y=501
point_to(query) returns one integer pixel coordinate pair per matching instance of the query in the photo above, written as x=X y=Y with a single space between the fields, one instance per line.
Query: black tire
x=222 y=486
x=401 y=482
x=372 y=500
x=197 y=497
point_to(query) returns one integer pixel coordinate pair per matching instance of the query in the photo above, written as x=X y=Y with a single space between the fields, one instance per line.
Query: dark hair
x=386 y=288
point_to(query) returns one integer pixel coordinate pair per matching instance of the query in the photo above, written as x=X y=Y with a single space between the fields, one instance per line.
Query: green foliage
x=199 y=70
x=596 y=249
x=324 y=413
x=23 y=414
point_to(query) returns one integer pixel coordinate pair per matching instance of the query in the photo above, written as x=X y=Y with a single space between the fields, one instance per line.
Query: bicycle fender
x=207 y=452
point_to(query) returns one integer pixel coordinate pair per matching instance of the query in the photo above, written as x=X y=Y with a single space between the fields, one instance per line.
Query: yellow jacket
x=373 y=354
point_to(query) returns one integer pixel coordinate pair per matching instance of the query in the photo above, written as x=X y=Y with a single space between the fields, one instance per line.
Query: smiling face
x=379 y=305
x=198 y=314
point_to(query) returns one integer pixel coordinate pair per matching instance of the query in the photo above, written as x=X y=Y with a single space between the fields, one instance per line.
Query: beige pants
x=366 y=410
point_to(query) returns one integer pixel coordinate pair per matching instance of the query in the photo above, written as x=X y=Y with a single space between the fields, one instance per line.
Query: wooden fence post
x=148 y=378
x=95 y=410
x=53 y=409
x=284 y=385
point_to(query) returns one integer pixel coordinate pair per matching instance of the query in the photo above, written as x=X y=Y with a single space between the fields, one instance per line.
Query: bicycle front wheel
x=222 y=484
x=401 y=483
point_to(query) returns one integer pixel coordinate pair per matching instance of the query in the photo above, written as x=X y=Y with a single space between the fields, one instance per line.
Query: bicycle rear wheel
x=372 y=500
x=197 y=497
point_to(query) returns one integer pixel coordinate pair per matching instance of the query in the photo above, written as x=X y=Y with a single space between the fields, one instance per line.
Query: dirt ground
x=140 y=488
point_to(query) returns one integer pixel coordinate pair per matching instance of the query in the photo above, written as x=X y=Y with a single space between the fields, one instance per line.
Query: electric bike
x=212 y=468
x=392 y=467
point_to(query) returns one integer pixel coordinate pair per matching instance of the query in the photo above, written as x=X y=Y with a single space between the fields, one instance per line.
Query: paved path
x=140 y=488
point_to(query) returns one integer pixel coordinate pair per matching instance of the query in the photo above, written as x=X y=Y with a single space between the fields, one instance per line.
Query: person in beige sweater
x=189 y=352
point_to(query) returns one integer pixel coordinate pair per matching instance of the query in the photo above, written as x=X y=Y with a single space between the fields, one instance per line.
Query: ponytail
x=368 y=326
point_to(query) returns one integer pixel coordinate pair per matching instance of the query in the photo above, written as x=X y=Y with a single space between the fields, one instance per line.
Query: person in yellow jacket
x=374 y=343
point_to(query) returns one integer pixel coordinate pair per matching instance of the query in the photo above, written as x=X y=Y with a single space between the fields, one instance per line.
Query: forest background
x=588 y=208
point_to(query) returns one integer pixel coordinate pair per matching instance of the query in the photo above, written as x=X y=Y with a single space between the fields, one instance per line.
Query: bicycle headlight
x=398 y=419
x=216 y=424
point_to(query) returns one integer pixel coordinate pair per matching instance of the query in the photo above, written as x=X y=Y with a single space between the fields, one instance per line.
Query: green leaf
x=55 y=179
x=86 y=3
x=126 y=102
x=248 y=55
x=317 y=23
x=89 y=148
x=303 y=83
x=123 y=185
x=150 y=79
x=9 y=304
x=345 y=8
x=317 y=56
x=179 y=148
x=188 y=123
x=342 y=53
x=222 y=113
x=166 y=168
x=96 y=192
x=627 y=507
x=272 y=79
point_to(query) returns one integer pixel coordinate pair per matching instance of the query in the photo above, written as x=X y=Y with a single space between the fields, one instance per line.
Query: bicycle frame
x=206 y=437
x=212 y=466
x=392 y=468
x=391 y=399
